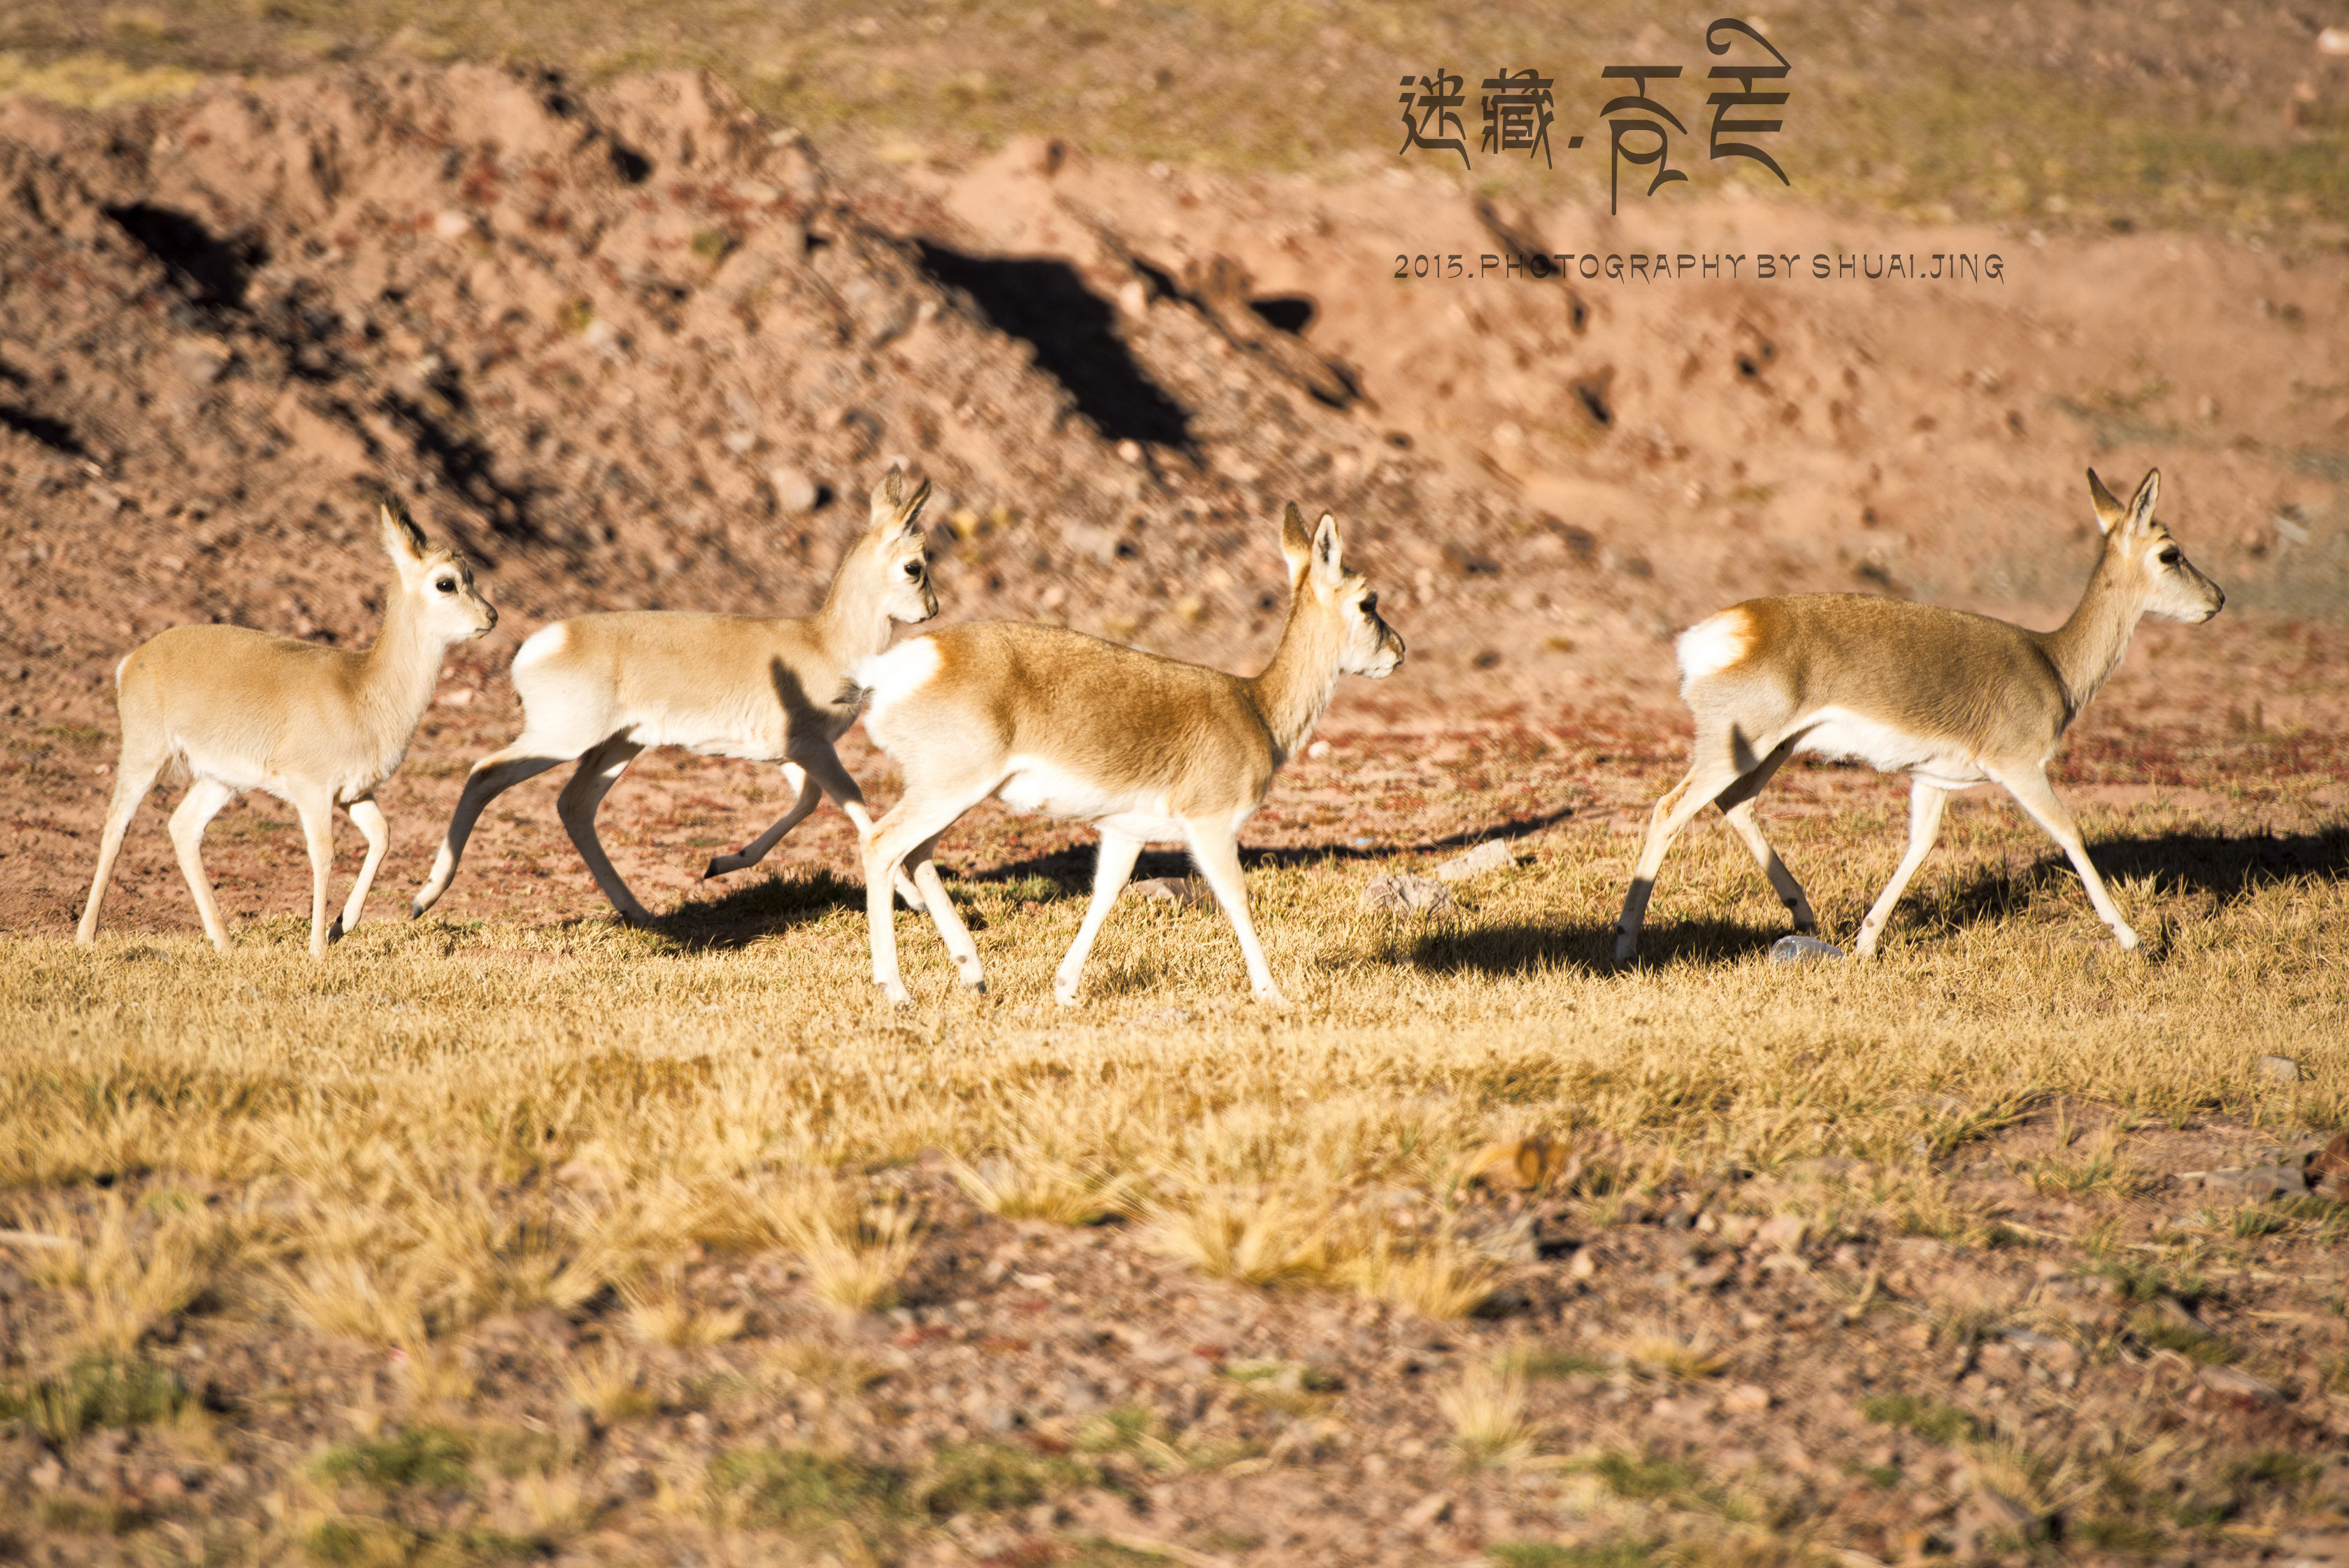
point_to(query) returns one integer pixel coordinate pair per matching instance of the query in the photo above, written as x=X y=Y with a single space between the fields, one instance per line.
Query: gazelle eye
x=446 y=585
x=912 y=568
x=1370 y=604
x=2169 y=557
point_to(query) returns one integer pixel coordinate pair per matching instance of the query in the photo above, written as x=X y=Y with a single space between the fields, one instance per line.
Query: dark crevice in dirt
x=57 y=436
x=212 y=272
x=467 y=467
x=1043 y=301
x=1290 y=312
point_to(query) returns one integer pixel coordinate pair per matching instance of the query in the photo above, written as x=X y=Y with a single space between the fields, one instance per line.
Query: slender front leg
x=1118 y=854
x=912 y=824
x=806 y=793
x=2038 y=797
x=368 y=818
x=824 y=768
x=1673 y=812
x=196 y=809
x=316 y=808
x=599 y=769
x=1217 y=852
x=1925 y=803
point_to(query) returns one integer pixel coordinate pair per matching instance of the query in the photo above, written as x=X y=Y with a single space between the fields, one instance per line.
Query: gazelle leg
x=1680 y=804
x=529 y=757
x=134 y=778
x=1736 y=804
x=825 y=768
x=806 y=794
x=1217 y=853
x=598 y=771
x=196 y=809
x=367 y=817
x=951 y=930
x=2038 y=797
x=1925 y=803
x=910 y=823
x=316 y=808
x=1118 y=854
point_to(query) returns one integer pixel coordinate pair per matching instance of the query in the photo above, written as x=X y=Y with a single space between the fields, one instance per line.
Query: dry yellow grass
x=416 y=1137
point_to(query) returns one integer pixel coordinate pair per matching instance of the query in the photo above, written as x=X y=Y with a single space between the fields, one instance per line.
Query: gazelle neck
x=854 y=619
x=399 y=675
x=2087 y=647
x=1294 y=687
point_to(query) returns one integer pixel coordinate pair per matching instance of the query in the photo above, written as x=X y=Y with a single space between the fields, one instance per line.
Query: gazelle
x=1144 y=748
x=1949 y=698
x=602 y=687
x=314 y=726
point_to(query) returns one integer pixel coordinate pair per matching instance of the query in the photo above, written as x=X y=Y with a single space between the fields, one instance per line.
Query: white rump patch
x=1713 y=644
x=541 y=645
x=904 y=669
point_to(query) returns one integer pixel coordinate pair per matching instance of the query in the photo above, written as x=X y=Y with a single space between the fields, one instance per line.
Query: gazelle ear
x=1296 y=543
x=910 y=510
x=889 y=495
x=2141 y=506
x=1329 y=569
x=2108 y=511
x=402 y=540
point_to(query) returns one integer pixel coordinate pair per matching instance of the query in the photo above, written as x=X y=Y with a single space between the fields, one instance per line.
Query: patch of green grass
x=801 y=1490
x=95 y=1391
x=419 y=1457
x=2273 y=1469
x=1644 y=1480
x=2196 y=1345
x=1928 y=1417
x=992 y=1478
x=2126 y=1537
x=2149 y=1282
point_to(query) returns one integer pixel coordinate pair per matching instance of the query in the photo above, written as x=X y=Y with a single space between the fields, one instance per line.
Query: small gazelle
x=1949 y=698
x=599 y=688
x=1147 y=749
x=314 y=726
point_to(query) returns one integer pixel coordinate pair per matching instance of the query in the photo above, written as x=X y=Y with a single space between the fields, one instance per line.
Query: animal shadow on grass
x=2229 y=869
x=741 y=916
x=1520 y=948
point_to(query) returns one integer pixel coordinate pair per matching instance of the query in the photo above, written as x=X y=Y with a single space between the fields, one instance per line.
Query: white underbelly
x=1935 y=759
x=1038 y=788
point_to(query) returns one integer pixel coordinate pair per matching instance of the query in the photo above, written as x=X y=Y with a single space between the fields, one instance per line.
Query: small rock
x=1317 y=749
x=2060 y=1354
x=795 y=493
x=1490 y=855
x=1986 y=1520
x=1427 y=1511
x=2332 y=41
x=2281 y=1069
x=2228 y=1382
x=1746 y=1399
x=1582 y=1265
x=1803 y=950
x=1784 y=1232
x=2256 y=1182
x=47 y=1476
x=1177 y=890
x=1401 y=893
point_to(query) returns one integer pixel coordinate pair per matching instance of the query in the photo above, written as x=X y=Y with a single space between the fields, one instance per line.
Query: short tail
x=851 y=694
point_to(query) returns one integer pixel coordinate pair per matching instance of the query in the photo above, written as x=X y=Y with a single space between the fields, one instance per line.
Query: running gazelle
x=1145 y=748
x=1949 y=698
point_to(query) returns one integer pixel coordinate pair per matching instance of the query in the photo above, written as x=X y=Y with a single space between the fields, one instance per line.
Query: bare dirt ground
x=630 y=344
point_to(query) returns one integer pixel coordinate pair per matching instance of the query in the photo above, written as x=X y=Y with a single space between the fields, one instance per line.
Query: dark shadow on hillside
x=1042 y=300
x=2227 y=869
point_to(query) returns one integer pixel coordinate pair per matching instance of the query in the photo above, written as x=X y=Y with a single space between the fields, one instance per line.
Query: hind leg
x=367 y=817
x=527 y=757
x=951 y=930
x=1925 y=803
x=806 y=794
x=913 y=823
x=1111 y=874
x=1215 y=848
x=196 y=809
x=1736 y=804
x=824 y=766
x=1705 y=783
x=599 y=769
x=133 y=779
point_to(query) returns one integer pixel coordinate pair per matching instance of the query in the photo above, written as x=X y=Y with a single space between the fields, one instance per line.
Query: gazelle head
x=1317 y=575
x=894 y=552
x=2143 y=549
x=439 y=584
